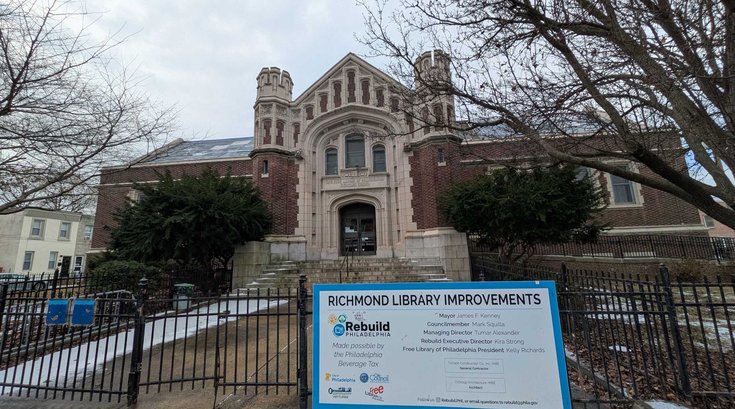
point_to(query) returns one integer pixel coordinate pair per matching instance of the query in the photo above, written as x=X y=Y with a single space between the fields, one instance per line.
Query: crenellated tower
x=433 y=83
x=274 y=162
x=272 y=119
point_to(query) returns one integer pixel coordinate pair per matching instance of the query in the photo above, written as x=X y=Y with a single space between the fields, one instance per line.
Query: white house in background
x=37 y=241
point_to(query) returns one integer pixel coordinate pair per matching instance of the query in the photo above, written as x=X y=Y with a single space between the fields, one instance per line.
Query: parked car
x=20 y=282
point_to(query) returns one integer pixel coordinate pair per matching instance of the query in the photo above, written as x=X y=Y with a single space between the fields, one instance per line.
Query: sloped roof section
x=204 y=150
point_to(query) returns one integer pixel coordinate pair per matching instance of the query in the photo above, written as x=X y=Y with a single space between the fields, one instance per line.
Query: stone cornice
x=274 y=151
x=432 y=140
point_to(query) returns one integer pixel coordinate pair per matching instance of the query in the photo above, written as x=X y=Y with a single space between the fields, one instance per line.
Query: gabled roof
x=349 y=59
x=203 y=150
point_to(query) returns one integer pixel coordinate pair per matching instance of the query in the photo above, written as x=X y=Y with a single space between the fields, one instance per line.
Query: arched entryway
x=357 y=230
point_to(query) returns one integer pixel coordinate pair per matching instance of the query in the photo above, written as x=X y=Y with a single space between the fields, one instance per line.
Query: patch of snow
x=658 y=404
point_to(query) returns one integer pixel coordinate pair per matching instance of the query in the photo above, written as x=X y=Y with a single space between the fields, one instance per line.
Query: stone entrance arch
x=357 y=230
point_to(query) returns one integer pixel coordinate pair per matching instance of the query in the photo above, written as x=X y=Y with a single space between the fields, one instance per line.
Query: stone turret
x=435 y=107
x=274 y=82
x=272 y=118
x=433 y=68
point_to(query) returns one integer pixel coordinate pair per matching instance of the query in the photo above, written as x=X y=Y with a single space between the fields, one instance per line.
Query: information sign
x=82 y=312
x=462 y=345
x=58 y=309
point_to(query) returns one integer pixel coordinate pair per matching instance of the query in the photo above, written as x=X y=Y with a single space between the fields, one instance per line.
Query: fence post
x=303 y=358
x=3 y=298
x=683 y=247
x=54 y=283
x=3 y=302
x=136 y=358
x=565 y=301
x=683 y=379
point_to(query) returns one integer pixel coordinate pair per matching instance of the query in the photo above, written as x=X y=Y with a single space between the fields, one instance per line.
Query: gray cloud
x=204 y=56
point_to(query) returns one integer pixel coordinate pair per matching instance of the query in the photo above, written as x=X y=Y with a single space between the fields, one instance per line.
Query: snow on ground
x=43 y=370
x=657 y=404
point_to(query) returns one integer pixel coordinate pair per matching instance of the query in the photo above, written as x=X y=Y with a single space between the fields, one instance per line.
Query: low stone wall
x=284 y=248
x=445 y=244
x=388 y=275
x=249 y=261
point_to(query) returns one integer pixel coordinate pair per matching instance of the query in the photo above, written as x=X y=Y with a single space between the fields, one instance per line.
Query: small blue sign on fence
x=57 y=312
x=82 y=312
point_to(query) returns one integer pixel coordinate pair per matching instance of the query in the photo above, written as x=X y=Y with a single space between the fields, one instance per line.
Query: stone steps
x=361 y=270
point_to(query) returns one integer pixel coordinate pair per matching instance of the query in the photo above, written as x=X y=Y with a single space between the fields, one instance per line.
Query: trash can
x=182 y=296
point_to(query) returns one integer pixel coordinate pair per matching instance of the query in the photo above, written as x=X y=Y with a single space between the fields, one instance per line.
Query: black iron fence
x=634 y=336
x=636 y=246
x=162 y=282
x=144 y=342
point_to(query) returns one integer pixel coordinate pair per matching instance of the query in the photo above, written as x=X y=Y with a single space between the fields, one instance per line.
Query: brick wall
x=109 y=199
x=239 y=167
x=658 y=208
x=430 y=180
x=278 y=189
x=116 y=185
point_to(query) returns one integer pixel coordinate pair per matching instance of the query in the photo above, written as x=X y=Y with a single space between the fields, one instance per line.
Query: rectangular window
x=708 y=221
x=37 y=228
x=135 y=197
x=64 y=230
x=88 y=232
x=52 y=257
x=355 y=152
x=583 y=172
x=378 y=159
x=440 y=156
x=622 y=190
x=78 y=261
x=28 y=261
x=264 y=169
x=330 y=164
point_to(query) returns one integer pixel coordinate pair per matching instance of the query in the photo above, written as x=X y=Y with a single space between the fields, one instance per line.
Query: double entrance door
x=358 y=230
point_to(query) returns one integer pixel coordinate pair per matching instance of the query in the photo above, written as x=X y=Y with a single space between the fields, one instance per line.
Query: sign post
x=460 y=345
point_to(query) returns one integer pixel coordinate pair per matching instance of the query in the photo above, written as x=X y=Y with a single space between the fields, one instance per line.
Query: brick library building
x=345 y=171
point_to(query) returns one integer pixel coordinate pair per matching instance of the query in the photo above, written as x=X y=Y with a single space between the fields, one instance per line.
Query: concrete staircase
x=360 y=270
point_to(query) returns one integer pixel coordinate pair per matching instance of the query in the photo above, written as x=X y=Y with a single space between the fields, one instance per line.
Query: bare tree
x=646 y=81
x=66 y=109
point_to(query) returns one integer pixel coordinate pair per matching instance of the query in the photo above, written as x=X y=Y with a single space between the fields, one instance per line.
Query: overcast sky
x=204 y=56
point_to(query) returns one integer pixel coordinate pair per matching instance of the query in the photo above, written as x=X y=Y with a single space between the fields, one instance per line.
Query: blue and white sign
x=57 y=311
x=436 y=345
x=82 y=312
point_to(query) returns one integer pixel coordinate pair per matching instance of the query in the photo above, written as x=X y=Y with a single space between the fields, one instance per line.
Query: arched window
x=330 y=162
x=378 y=158
x=266 y=131
x=355 y=151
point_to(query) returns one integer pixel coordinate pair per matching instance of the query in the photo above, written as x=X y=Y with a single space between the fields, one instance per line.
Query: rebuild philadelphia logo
x=338 y=324
x=342 y=327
